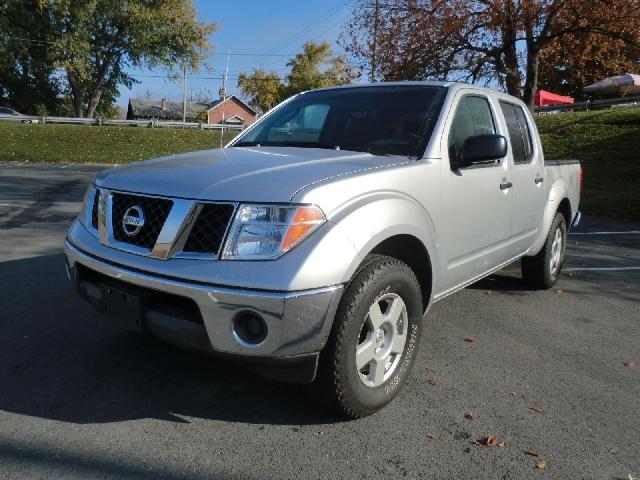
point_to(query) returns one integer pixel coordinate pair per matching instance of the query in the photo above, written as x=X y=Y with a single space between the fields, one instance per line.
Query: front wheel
x=542 y=271
x=374 y=339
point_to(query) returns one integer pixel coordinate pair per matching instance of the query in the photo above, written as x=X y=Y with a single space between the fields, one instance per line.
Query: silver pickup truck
x=311 y=246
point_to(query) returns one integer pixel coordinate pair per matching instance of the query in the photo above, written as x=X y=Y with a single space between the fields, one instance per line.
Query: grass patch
x=85 y=144
x=608 y=144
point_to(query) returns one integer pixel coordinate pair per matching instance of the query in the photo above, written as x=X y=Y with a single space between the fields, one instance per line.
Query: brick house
x=230 y=110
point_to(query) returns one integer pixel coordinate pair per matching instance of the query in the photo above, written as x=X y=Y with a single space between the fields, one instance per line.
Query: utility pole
x=223 y=94
x=184 y=94
x=374 y=46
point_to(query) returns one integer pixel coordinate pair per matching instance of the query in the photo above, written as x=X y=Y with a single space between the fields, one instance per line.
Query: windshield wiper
x=324 y=145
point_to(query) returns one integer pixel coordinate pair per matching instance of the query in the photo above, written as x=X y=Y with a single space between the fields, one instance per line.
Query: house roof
x=218 y=102
x=234 y=119
x=149 y=108
x=142 y=107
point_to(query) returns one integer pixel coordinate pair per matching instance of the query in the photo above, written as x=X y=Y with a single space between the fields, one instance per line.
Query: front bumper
x=298 y=323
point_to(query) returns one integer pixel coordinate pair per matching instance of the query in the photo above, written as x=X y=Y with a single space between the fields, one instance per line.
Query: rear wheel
x=543 y=270
x=374 y=339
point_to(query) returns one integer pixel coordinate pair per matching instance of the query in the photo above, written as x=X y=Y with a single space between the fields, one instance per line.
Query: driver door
x=477 y=207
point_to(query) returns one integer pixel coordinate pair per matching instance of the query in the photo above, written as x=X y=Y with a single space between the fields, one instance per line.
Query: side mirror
x=482 y=148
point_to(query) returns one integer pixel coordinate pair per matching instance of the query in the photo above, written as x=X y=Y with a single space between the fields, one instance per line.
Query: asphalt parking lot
x=81 y=399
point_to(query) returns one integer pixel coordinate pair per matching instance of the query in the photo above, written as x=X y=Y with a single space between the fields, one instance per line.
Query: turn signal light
x=303 y=222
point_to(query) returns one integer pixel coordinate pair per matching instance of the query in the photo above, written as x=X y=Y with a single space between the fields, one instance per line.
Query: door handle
x=538 y=180
x=506 y=185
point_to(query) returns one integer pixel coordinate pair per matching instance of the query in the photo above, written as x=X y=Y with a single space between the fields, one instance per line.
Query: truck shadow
x=62 y=361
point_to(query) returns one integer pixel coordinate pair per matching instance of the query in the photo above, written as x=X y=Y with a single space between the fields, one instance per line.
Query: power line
x=305 y=30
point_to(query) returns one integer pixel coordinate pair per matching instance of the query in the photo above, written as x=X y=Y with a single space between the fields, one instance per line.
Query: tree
x=500 y=41
x=307 y=73
x=264 y=90
x=578 y=60
x=27 y=70
x=314 y=67
x=95 y=41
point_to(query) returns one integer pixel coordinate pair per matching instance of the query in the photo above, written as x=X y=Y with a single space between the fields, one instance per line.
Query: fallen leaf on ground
x=612 y=451
x=502 y=444
x=541 y=464
x=533 y=453
x=629 y=364
x=432 y=381
x=470 y=339
x=489 y=441
x=470 y=415
x=537 y=409
x=433 y=436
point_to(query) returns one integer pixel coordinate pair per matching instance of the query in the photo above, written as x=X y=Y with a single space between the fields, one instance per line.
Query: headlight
x=263 y=232
x=85 y=205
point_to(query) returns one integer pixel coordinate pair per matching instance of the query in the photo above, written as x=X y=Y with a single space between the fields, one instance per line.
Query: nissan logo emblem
x=133 y=221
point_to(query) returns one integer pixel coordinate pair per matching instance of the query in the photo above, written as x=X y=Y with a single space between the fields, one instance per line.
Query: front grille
x=94 y=210
x=208 y=230
x=156 y=211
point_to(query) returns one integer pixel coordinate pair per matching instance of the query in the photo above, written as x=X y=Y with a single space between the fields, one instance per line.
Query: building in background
x=228 y=110
x=231 y=110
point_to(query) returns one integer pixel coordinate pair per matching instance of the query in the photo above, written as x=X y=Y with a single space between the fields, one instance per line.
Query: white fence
x=101 y=122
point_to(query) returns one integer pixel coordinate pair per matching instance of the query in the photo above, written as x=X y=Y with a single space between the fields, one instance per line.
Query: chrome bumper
x=297 y=322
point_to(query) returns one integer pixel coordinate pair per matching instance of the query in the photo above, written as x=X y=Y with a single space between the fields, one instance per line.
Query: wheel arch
x=558 y=201
x=565 y=208
x=414 y=253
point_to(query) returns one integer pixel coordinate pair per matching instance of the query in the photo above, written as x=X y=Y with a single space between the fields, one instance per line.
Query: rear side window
x=473 y=117
x=526 y=133
x=519 y=133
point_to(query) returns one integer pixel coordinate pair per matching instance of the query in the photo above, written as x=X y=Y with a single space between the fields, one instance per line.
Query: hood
x=251 y=174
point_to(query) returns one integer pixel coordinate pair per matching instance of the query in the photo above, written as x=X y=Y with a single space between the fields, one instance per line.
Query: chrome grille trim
x=173 y=235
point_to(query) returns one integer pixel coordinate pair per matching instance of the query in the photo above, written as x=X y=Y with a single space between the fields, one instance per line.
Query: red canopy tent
x=543 y=98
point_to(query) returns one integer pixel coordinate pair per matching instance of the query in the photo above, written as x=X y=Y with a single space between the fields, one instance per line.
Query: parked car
x=11 y=111
x=312 y=245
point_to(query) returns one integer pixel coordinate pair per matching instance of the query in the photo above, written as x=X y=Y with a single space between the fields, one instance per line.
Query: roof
x=543 y=98
x=147 y=108
x=619 y=85
x=220 y=101
x=410 y=83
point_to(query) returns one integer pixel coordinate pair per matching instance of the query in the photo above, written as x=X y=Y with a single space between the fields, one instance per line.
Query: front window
x=389 y=120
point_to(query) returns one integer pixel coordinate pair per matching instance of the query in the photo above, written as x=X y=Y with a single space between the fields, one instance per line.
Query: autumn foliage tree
x=505 y=41
x=578 y=60
x=315 y=67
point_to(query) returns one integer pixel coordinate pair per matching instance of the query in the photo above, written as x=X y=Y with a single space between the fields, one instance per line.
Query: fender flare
x=557 y=194
x=369 y=220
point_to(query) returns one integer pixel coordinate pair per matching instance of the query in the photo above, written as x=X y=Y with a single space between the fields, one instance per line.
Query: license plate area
x=123 y=306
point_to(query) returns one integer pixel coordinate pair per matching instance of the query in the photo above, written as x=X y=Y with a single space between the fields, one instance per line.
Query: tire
x=543 y=270
x=384 y=293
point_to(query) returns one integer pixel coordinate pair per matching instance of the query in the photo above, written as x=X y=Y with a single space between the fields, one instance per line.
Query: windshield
x=384 y=120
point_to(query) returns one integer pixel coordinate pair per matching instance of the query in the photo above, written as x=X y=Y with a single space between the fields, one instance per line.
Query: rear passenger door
x=527 y=168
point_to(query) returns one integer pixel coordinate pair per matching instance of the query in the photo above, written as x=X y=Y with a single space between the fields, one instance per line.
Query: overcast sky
x=271 y=31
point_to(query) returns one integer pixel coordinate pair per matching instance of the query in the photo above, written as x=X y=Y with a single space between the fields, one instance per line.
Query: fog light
x=249 y=328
